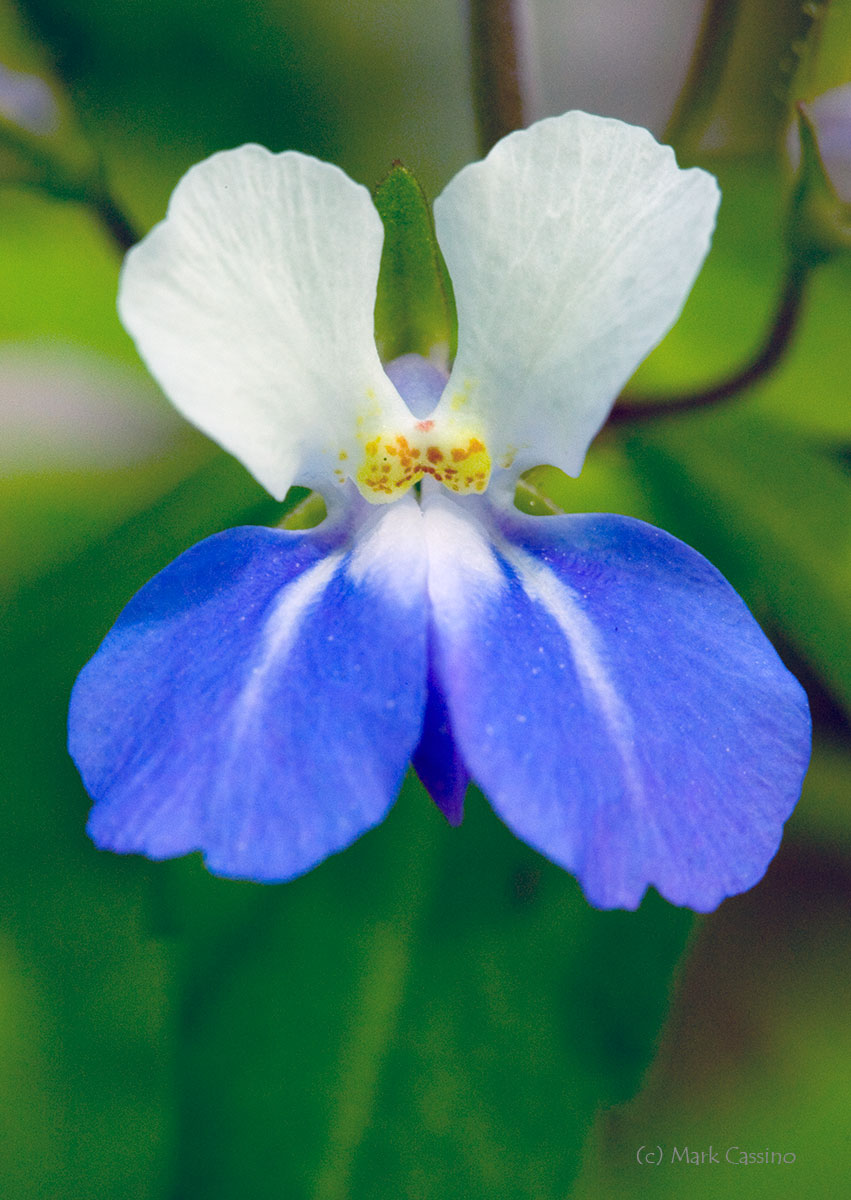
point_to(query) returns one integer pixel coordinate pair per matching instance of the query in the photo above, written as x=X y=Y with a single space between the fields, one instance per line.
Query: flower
x=260 y=699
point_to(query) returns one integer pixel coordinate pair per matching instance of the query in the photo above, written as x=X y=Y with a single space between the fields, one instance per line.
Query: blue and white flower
x=260 y=699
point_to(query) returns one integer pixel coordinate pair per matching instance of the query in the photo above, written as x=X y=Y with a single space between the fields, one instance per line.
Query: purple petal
x=260 y=698
x=619 y=705
x=830 y=114
x=418 y=381
x=436 y=759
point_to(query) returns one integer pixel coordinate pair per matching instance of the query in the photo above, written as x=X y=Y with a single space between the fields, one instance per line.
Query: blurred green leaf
x=88 y=994
x=755 y=1055
x=771 y=510
x=751 y=106
x=437 y=1009
x=824 y=813
x=809 y=391
x=608 y=483
x=159 y=85
x=830 y=65
x=415 y=308
x=59 y=277
x=48 y=519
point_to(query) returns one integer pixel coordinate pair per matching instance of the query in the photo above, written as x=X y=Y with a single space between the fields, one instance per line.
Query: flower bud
x=27 y=101
x=820 y=150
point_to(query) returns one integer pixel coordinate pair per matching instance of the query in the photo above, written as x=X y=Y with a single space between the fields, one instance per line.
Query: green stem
x=497 y=96
x=706 y=69
x=786 y=320
x=62 y=181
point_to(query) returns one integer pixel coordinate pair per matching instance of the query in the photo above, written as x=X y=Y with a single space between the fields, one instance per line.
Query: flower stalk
x=697 y=98
x=42 y=168
x=631 y=409
x=497 y=92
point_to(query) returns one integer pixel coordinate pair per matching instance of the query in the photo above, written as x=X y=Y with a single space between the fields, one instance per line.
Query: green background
x=437 y=1012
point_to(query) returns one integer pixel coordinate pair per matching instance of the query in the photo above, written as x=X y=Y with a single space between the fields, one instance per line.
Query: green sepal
x=820 y=221
x=415 y=308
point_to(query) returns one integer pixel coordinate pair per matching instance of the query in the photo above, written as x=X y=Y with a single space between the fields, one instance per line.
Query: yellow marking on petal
x=393 y=462
x=369 y=415
x=462 y=397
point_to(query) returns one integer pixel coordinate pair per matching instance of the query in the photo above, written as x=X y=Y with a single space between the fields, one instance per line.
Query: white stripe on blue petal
x=252 y=702
x=589 y=658
x=463 y=569
x=619 y=706
x=389 y=553
x=280 y=633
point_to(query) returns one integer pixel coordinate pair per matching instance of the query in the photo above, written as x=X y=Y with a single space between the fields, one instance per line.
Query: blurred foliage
x=161 y=84
x=828 y=62
x=741 y=80
x=435 y=1013
x=756 y=1052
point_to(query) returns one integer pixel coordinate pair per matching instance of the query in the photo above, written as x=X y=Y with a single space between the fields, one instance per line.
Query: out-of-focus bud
x=30 y=154
x=27 y=101
x=64 y=410
x=820 y=149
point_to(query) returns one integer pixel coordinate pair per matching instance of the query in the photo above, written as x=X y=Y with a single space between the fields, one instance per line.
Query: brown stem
x=497 y=96
x=65 y=182
x=784 y=325
x=115 y=222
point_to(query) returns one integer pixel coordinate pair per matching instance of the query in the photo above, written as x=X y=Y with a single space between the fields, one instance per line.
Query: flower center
x=446 y=447
x=394 y=461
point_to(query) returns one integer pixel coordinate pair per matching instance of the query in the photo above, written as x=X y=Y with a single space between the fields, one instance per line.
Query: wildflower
x=259 y=700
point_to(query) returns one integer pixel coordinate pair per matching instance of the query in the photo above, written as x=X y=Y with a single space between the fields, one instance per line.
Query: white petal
x=571 y=248
x=252 y=304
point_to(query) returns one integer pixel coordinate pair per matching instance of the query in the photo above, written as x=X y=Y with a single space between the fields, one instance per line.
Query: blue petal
x=260 y=698
x=436 y=759
x=616 y=700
